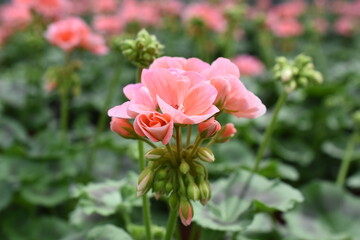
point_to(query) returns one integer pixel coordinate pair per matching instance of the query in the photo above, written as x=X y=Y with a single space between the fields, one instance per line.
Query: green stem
x=171 y=224
x=64 y=109
x=345 y=164
x=269 y=130
x=197 y=143
x=178 y=141
x=188 y=138
x=172 y=157
x=145 y=199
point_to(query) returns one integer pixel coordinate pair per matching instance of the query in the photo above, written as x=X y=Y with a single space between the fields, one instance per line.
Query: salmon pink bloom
x=14 y=16
x=345 y=26
x=96 y=44
x=26 y=3
x=68 y=34
x=209 y=127
x=156 y=126
x=249 y=65
x=232 y=96
x=287 y=27
x=143 y=13
x=104 y=6
x=52 y=8
x=227 y=132
x=290 y=9
x=185 y=212
x=186 y=96
x=108 y=24
x=211 y=16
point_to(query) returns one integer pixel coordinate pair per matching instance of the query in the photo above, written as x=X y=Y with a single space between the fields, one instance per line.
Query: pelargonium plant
x=174 y=95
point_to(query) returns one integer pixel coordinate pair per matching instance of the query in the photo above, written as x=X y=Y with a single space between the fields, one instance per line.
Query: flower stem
x=269 y=130
x=171 y=224
x=145 y=199
x=265 y=142
x=197 y=143
x=148 y=142
x=345 y=164
x=172 y=157
x=188 y=138
x=64 y=109
x=178 y=141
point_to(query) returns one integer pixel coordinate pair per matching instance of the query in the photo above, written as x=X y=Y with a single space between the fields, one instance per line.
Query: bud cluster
x=142 y=50
x=299 y=72
x=180 y=181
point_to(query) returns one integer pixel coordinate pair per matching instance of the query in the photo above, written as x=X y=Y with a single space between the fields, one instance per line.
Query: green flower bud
x=156 y=153
x=169 y=187
x=145 y=181
x=162 y=173
x=174 y=201
x=184 y=167
x=193 y=191
x=205 y=192
x=205 y=154
x=159 y=186
x=185 y=211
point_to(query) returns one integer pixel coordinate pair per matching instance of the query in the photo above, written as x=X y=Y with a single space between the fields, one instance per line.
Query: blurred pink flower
x=52 y=8
x=143 y=13
x=170 y=7
x=232 y=95
x=156 y=126
x=347 y=9
x=104 y=6
x=286 y=27
x=108 y=24
x=209 y=14
x=290 y=9
x=346 y=26
x=68 y=34
x=78 y=7
x=96 y=44
x=320 y=25
x=249 y=65
x=27 y=3
x=14 y=16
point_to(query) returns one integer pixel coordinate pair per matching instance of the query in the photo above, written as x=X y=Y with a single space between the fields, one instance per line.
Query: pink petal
x=120 y=111
x=222 y=66
x=131 y=90
x=200 y=98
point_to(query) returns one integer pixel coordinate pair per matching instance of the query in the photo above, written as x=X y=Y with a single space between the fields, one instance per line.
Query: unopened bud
x=205 y=192
x=286 y=75
x=159 y=186
x=185 y=211
x=162 y=173
x=205 y=154
x=209 y=128
x=193 y=191
x=174 y=201
x=184 y=167
x=155 y=154
x=169 y=187
x=226 y=132
x=145 y=181
x=122 y=127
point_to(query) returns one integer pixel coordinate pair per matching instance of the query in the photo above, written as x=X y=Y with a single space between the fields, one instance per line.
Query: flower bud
x=209 y=127
x=156 y=153
x=205 y=192
x=205 y=154
x=174 y=201
x=185 y=211
x=169 y=187
x=145 y=181
x=184 y=167
x=226 y=132
x=159 y=186
x=162 y=173
x=193 y=191
x=122 y=127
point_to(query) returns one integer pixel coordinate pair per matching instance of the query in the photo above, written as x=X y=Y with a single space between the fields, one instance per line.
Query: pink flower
x=287 y=27
x=345 y=26
x=108 y=24
x=249 y=65
x=170 y=7
x=96 y=44
x=143 y=13
x=156 y=126
x=104 y=6
x=26 y=3
x=14 y=16
x=68 y=34
x=211 y=16
x=186 y=97
x=52 y=8
x=122 y=127
x=209 y=127
x=233 y=97
x=290 y=9
x=191 y=64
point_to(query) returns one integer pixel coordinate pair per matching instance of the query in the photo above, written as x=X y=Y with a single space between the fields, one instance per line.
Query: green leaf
x=6 y=193
x=294 y=151
x=231 y=210
x=107 y=232
x=11 y=131
x=138 y=232
x=105 y=198
x=328 y=212
x=277 y=169
x=336 y=148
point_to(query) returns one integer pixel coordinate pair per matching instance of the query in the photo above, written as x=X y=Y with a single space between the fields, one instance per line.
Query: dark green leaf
x=107 y=232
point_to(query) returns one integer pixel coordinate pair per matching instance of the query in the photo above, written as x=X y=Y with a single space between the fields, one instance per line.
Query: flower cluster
x=72 y=33
x=297 y=73
x=175 y=93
